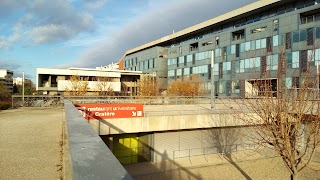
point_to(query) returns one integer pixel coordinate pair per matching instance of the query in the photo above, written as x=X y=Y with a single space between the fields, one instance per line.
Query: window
x=220 y=70
x=207 y=43
x=310 y=36
x=179 y=73
x=226 y=67
x=233 y=49
x=235 y=87
x=171 y=61
x=258 y=44
x=263 y=43
x=146 y=64
x=242 y=65
x=260 y=29
x=317 y=57
x=217 y=52
x=151 y=63
x=171 y=74
x=263 y=65
x=310 y=16
x=238 y=35
x=181 y=60
x=295 y=36
x=289 y=82
x=281 y=39
x=141 y=66
x=275 y=25
x=237 y=50
x=252 y=45
x=189 y=58
x=186 y=72
x=216 y=69
x=247 y=46
x=304 y=60
x=272 y=62
x=242 y=47
x=288 y=40
x=317 y=32
x=293 y=59
x=303 y=35
x=224 y=53
x=194 y=46
x=275 y=40
x=269 y=44
x=217 y=40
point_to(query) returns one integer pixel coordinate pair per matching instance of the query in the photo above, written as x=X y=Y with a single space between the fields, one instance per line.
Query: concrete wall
x=165 y=123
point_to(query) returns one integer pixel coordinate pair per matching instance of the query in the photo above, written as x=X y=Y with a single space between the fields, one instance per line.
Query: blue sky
x=90 y=33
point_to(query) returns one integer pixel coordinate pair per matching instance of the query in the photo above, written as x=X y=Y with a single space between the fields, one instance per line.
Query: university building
x=6 y=80
x=257 y=41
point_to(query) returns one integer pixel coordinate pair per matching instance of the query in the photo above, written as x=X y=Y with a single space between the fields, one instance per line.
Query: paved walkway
x=30 y=143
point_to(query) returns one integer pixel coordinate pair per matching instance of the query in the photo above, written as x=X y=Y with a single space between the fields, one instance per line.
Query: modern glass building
x=257 y=41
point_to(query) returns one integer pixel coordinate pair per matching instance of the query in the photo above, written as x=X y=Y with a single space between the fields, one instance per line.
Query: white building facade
x=58 y=82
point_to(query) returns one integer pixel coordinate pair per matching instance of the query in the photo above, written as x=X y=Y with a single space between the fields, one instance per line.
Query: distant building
x=112 y=66
x=57 y=81
x=18 y=81
x=6 y=80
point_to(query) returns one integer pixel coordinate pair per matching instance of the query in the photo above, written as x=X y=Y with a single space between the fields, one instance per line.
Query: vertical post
x=318 y=76
x=23 y=87
x=212 y=81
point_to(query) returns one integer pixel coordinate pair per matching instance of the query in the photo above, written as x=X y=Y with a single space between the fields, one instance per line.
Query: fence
x=213 y=150
x=36 y=101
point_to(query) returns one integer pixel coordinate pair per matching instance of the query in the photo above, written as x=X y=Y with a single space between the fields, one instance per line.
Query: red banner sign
x=107 y=111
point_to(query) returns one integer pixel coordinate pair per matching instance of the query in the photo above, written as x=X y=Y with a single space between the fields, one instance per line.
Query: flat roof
x=250 y=7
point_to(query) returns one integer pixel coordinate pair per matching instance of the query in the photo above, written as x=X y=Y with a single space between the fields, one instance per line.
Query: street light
x=212 y=82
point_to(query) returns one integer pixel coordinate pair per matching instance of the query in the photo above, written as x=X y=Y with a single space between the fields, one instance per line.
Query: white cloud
x=153 y=24
x=46 y=21
x=94 y=4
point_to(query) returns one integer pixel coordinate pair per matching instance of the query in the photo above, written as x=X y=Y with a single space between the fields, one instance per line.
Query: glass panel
x=233 y=48
x=295 y=36
x=303 y=35
x=258 y=44
x=275 y=40
x=263 y=43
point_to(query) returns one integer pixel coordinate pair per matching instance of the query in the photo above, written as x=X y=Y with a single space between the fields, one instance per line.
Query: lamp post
x=23 y=87
x=212 y=82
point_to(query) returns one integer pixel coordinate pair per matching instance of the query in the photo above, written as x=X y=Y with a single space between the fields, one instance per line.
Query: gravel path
x=29 y=143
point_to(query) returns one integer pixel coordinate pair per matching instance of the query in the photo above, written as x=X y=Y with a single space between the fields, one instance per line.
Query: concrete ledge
x=90 y=156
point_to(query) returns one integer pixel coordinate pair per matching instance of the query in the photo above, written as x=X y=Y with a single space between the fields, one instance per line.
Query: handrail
x=90 y=156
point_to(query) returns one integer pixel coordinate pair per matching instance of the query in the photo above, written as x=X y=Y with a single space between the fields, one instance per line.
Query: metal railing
x=36 y=101
x=214 y=150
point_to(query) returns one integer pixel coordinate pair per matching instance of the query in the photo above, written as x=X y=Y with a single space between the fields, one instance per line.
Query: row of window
x=236 y=49
x=254 y=18
x=178 y=73
x=189 y=58
x=142 y=65
x=271 y=62
x=276 y=40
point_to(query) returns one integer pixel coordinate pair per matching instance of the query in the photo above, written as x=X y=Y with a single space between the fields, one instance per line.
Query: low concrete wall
x=165 y=123
x=90 y=156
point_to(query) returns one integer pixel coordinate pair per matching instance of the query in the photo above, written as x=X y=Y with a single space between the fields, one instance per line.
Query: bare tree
x=191 y=86
x=147 y=85
x=288 y=120
x=78 y=86
x=104 y=86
